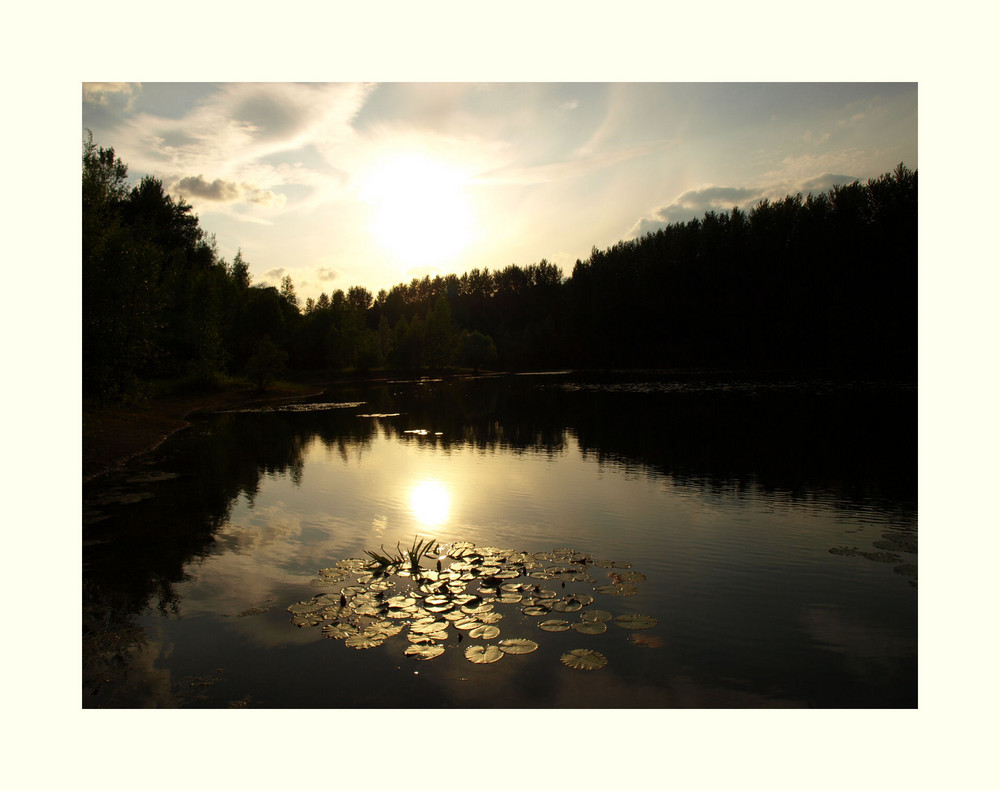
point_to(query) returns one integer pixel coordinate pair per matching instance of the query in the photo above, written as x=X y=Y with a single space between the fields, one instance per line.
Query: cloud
x=102 y=93
x=274 y=275
x=246 y=135
x=325 y=273
x=823 y=183
x=579 y=166
x=694 y=204
x=227 y=191
x=218 y=190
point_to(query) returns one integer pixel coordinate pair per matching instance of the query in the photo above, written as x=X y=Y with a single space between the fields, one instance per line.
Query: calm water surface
x=771 y=526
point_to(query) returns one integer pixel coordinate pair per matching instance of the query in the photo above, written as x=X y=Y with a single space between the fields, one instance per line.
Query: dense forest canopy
x=824 y=281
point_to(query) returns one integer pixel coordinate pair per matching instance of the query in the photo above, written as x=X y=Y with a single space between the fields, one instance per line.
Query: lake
x=625 y=540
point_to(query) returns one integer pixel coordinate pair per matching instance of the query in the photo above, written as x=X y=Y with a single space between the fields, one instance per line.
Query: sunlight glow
x=420 y=210
x=430 y=502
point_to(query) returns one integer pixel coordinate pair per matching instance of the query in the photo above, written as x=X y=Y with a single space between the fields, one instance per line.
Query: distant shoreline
x=114 y=435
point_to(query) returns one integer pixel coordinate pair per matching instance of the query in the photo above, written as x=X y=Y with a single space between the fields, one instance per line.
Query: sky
x=372 y=184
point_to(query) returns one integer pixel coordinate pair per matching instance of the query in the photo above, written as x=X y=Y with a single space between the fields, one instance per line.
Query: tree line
x=828 y=280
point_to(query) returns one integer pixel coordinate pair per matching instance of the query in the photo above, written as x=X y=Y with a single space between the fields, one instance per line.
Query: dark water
x=769 y=528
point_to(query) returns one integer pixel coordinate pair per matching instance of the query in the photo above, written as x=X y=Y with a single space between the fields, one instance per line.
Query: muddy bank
x=113 y=435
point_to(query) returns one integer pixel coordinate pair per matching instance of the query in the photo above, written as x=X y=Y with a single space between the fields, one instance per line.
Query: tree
x=267 y=363
x=288 y=292
x=477 y=350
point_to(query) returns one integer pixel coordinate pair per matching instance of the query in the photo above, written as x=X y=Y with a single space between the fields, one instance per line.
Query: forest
x=821 y=282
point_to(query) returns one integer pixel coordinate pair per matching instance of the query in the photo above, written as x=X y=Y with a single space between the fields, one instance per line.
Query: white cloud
x=102 y=93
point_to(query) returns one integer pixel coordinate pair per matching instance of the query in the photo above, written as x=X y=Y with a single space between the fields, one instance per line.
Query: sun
x=421 y=212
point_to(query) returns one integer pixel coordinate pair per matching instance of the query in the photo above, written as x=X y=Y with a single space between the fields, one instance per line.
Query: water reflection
x=430 y=502
x=241 y=511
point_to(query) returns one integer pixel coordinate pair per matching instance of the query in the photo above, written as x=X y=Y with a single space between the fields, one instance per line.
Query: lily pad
x=483 y=654
x=618 y=590
x=424 y=652
x=339 y=631
x=307 y=619
x=535 y=611
x=427 y=628
x=590 y=627
x=635 y=621
x=596 y=615
x=303 y=607
x=517 y=645
x=569 y=604
x=584 y=659
x=361 y=641
x=554 y=625
x=484 y=632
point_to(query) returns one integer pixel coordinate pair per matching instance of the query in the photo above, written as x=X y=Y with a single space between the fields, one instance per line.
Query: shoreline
x=114 y=435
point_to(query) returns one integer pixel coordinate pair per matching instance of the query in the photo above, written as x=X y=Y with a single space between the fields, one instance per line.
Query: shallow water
x=773 y=522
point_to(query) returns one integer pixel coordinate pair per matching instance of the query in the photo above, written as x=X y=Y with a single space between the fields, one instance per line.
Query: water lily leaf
x=468 y=623
x=535 y=610
x=584 y=659
x=424 y=639
x=427 y=628
x=546 y=593
x=484 y=632
x=596 y=615
x=386 y=628
x=307 y=619
x=424 y=652
x=437 y=600
x=633 y=576
x=568 y=604
x=635 y=621
x=617 y=590
x=590 y=627
x=362 y=641
x=393 y=613
x=554 y=625
x=509 y=598
x=454 y=615
x=339 y=631
x=470 y=610
x=303 y=607
x=483 y=654
x=517 y=645
x=400 y=602
x=490 y=617
x=368 y=609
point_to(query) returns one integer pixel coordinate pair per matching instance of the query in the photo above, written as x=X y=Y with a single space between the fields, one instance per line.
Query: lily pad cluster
x=442 y=595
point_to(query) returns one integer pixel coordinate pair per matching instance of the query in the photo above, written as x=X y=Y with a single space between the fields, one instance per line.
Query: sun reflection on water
x=430 y=502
